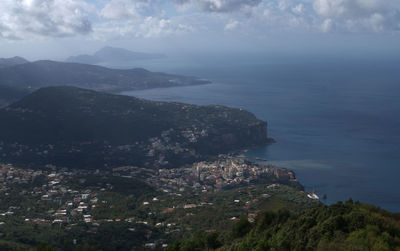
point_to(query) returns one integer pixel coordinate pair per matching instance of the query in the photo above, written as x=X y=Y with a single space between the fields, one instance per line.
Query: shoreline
x=126 y=91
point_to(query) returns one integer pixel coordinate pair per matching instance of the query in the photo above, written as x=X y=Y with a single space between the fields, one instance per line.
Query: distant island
x=81 y=128
x=112 y=54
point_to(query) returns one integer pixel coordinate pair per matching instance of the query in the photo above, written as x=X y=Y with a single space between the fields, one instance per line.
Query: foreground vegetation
x=343 y=226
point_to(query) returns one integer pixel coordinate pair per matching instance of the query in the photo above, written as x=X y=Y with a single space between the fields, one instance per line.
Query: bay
x=335 y=119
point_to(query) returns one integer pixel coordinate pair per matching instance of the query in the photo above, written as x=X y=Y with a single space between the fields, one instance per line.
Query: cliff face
x=65 y=125
x=223 y=139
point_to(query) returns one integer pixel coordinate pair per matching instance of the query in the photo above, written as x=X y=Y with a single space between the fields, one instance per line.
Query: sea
x=335 y=119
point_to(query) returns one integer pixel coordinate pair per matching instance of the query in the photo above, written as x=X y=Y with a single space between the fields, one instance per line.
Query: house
x=189 y=206
x=61 y=212
x=150 y=245
x=85 y=196
x=87 y=218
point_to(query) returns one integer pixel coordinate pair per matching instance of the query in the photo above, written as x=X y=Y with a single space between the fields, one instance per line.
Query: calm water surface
x=336 y=121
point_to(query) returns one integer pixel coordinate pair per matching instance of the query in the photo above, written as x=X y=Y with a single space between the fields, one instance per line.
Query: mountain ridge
x=44 y=73
x=5 y=62
x=9 y=94
x=117 y=130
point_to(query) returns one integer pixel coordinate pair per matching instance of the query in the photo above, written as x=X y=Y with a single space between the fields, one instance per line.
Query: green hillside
x=342 y=226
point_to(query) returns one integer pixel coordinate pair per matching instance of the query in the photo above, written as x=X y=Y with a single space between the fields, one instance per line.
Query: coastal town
x=201 y=177
x=226 y=171
x=67 y=197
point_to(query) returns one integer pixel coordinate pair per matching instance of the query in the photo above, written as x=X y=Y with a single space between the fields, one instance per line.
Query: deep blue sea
x=335 y=119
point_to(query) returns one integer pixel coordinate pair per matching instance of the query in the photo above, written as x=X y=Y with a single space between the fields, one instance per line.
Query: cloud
x=298 y=9
x=328 y=15
x=146 y=27
x=327 y=25
x=285 y=16
x=232 y=25
x=360 y=15
x=123 y=9
x=32 y=19
x=137 y=18
x=154 y=27
x=219 y=5
x=22 y=19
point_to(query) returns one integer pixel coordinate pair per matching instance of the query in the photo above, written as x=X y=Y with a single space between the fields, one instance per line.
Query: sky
x=56 y=29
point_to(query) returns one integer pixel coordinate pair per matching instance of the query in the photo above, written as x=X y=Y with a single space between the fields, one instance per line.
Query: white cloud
x=22 y=19
x=122 y=9
x=137 y=18
x=154 y=27
x=218 y=5
x=27 y=19
x=147 y=27
x=327 y=25
x=298 y=9
x=285 y=16
x=360 y=15
x=232 y=25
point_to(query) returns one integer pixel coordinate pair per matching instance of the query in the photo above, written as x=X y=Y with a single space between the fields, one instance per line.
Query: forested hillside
x=342 y=226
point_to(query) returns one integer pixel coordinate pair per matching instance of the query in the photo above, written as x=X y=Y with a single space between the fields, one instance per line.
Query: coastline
x=127 y=92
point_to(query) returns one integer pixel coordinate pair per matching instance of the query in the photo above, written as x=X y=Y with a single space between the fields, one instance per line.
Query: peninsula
x=81 y=128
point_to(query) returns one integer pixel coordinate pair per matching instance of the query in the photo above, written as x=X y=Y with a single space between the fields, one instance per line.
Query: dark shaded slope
x=10 y=94
x=122 y=130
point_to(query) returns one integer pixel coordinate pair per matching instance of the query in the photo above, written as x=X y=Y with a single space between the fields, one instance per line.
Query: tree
x=44 y=247
x=241 y=228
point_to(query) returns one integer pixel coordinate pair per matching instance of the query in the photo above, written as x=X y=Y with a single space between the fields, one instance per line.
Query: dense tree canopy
x=342 y=226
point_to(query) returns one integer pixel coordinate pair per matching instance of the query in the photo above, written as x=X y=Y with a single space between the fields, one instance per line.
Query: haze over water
x=336 y=120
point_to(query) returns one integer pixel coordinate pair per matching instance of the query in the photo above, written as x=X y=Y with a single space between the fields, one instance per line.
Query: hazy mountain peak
x=108 y=49
x=4 y=62
x=113 y=54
